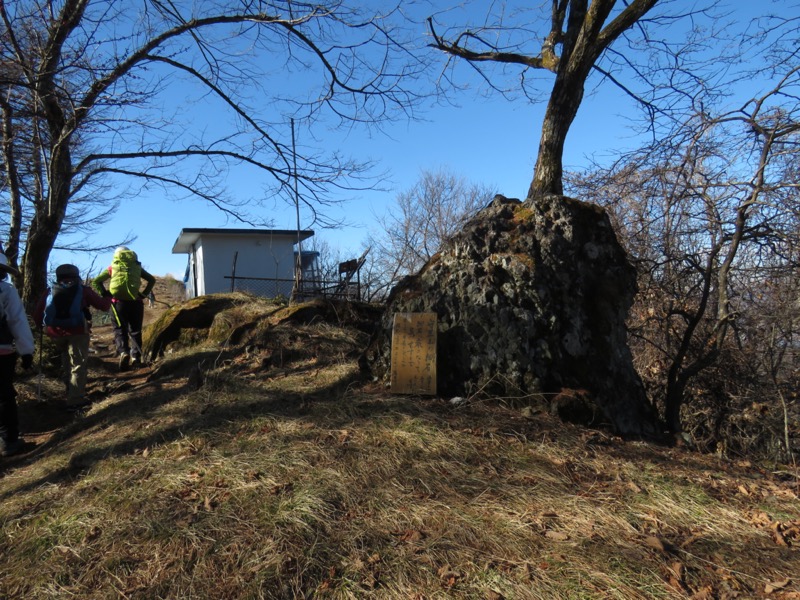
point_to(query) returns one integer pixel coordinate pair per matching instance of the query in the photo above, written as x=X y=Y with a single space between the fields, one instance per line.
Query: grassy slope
x=280 y=477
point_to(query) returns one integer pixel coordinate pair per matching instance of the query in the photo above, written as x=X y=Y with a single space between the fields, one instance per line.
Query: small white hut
x=261 y=261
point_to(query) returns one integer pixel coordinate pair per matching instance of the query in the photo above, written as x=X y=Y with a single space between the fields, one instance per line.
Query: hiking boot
x=124 y=361
x=11 y=448
x=136 y=362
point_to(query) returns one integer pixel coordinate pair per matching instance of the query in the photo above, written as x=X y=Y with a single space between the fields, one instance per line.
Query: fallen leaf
x=67 y=553
x=777 y=536
x=792 y=532
x=760 y=519
x=448 y=576
x=527 y=572
x=678 y=569
x=409 y=535
x=280 y=488
x=187 y=494
x=92 y=534
x=773 y=586
x=634 y=488
x=690 y=540
x=653 y=542
x=706 y=593
x=675 y=583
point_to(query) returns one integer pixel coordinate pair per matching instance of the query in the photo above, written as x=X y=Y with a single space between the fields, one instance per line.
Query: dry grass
x=282 y=476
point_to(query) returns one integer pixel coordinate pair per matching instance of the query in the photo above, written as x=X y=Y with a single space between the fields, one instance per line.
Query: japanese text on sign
x=414 y=353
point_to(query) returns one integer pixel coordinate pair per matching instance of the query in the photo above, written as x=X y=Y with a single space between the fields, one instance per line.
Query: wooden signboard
x=414 y=353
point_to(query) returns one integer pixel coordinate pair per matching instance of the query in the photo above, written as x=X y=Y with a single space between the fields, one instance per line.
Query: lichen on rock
x=531 y=299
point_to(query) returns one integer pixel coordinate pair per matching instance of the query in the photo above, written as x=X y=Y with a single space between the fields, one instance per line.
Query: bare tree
x=709 y=215
x=571 y=43
x=423 y=217
x=98 y=92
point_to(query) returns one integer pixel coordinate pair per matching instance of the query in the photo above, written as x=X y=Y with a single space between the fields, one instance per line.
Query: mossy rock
x=197 y=314
x=359 y=315
x=225 y=319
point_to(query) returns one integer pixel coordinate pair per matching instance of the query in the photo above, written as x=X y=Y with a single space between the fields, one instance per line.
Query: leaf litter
x=284 y=475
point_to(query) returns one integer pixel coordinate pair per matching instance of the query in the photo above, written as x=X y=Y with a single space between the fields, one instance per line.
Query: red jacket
x=90 y=298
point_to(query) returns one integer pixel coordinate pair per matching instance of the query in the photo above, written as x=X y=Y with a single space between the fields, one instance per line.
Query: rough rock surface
x=531 y=299
x=197 y=313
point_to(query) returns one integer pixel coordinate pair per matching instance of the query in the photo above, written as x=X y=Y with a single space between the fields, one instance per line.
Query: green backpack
x=126 y=275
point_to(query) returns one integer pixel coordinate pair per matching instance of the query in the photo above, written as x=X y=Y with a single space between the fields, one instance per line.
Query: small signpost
x=414 y=353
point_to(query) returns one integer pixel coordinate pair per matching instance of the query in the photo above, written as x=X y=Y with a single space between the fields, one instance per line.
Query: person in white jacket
x=16 y=339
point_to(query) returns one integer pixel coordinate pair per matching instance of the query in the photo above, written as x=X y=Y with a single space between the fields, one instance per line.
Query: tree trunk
x=584 y=40
x=561 y=110
x=12 y=184
x=673 y=401
x=45 y=227
x=41 y=239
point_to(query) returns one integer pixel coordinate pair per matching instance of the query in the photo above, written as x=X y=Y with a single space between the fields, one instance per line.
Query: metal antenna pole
x=299 y=263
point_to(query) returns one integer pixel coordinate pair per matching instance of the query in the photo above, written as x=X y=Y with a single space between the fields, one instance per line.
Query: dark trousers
x=9 y=421
x=128 y=318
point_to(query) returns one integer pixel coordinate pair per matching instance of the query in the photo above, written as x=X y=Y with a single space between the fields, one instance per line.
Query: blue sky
x=488 y=141
x=492 y=142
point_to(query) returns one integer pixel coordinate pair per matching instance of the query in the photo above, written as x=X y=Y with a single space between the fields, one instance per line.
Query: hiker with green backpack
x=125 y=276
x=64 y=314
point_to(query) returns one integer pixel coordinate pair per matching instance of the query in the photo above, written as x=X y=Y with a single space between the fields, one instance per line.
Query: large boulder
x=195 y=314
x=531 y=300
